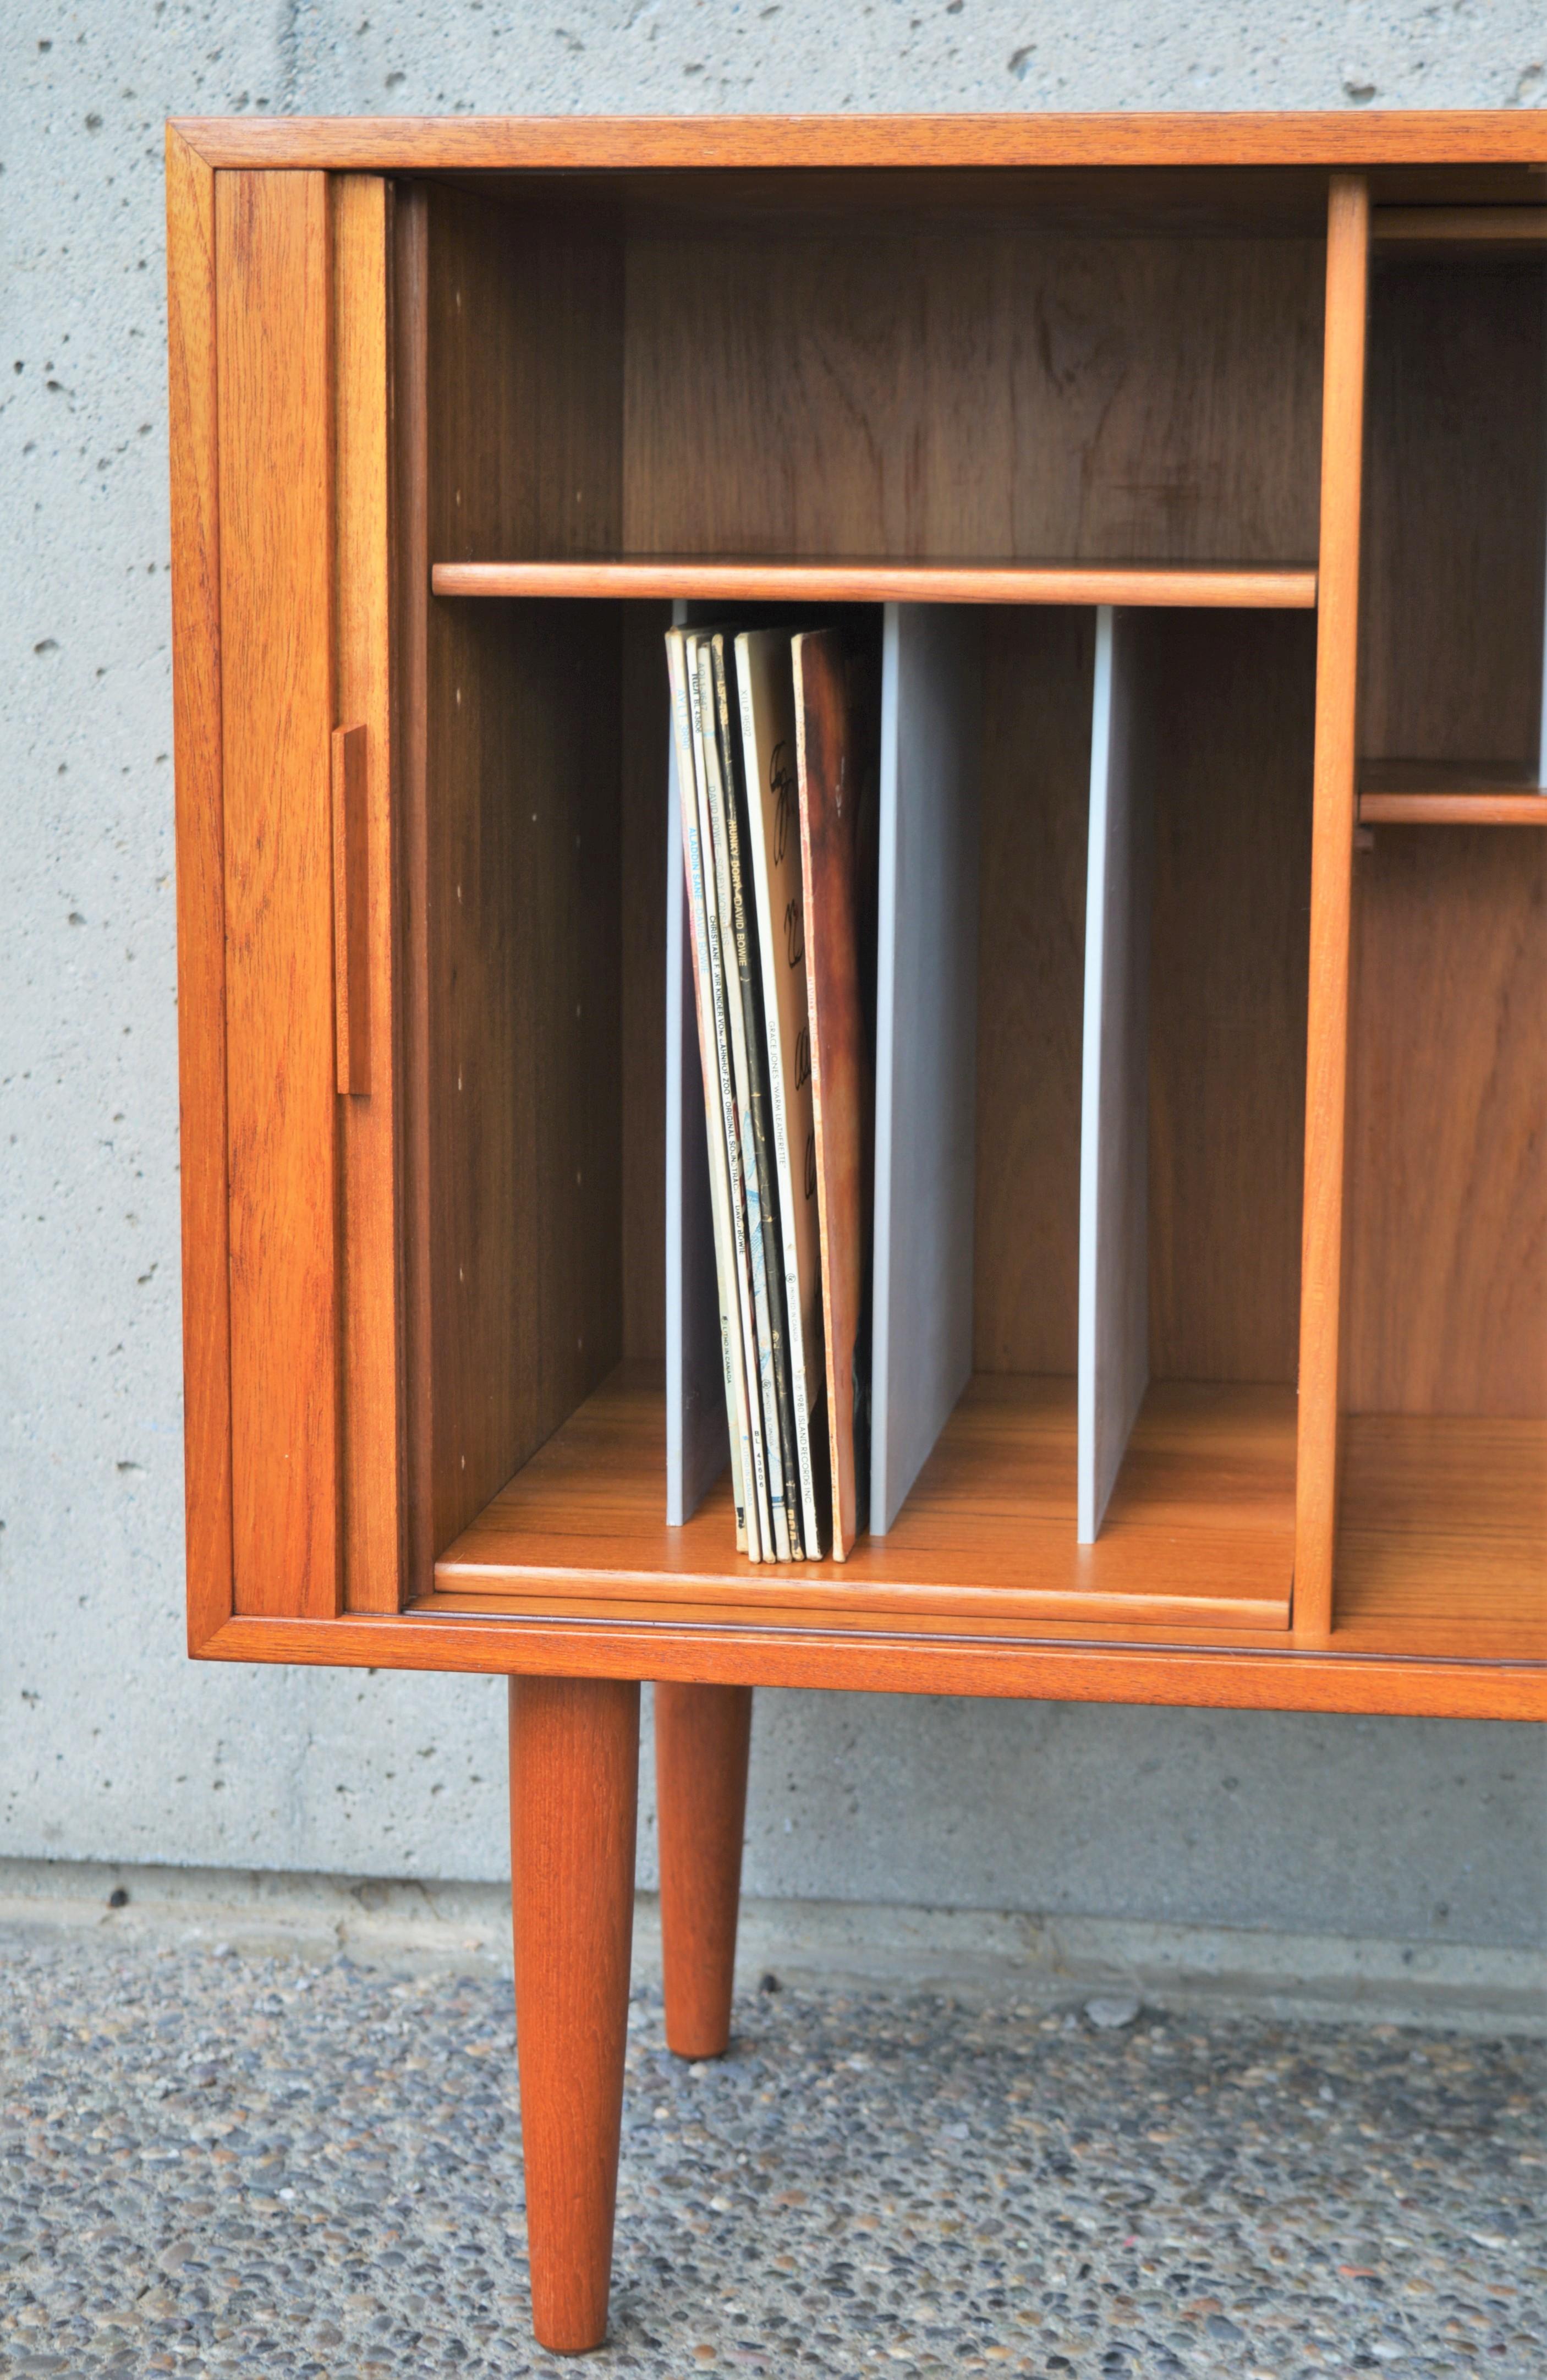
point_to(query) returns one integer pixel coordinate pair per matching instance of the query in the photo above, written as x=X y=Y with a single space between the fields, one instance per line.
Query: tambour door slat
x=273 y=278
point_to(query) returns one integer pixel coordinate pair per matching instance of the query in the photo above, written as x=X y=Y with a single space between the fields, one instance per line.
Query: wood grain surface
x=1451 y=638
x=522 y=913
x=1200 y=1530
x=351 y=983
x=1486 y=137
x=1471 y=226
x=1129 y=401
x=1036 y=775
x=874 y=579
x=583 y=358
x=1446 y=1302
x=410 y=427
x=1433 y=780
x=191 y=379
x=1331 y=892
x=274 y=311
x=1390 y=1670
x=520 y=1047
x=1442 y=1532
x=1475 y=809
x=645 y=730
x=1230 y=746
x=366 y=955
x=703 y=1738
x=573 y=1793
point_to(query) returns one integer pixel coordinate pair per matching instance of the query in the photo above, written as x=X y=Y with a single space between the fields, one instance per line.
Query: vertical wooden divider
x=274 y=350
x=374 y=1562
x=1331 y=901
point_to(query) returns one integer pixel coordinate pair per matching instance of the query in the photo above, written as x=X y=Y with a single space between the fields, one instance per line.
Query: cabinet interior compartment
x=1455 y=543
x=537 y=857
x=808 y=367
x=548 y=1212
x=1193 y=1094
x=1444 y=1491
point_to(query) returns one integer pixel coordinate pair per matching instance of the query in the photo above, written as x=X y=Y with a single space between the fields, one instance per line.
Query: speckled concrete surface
x=215 y=2165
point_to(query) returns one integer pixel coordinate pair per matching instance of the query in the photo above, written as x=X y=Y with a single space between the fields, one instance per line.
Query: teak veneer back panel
x=526 y=363
x=1226 y=703
x=1234 y=700
x=1446 y=1306
x=1456 y=511
x=1039 y=670
x=645 y=858
x=877 y=390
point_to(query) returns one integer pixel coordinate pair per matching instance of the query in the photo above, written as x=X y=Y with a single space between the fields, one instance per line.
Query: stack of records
x=778 y=742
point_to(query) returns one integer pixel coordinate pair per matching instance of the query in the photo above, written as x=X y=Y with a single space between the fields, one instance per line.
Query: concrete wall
x=111 y=1747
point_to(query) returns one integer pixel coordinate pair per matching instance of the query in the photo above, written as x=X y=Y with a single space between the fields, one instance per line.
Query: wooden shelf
x=1442 y=1554
x=1198 y=1534
x=874 y=579
x=1450 y=793
x=1452 y=809
x=1443 y=1537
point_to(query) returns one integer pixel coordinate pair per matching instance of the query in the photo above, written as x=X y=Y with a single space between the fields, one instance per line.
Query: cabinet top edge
x=511 y=143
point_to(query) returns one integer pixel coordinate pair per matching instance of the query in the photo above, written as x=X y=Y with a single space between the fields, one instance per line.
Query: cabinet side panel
x=523 y=913
x=362 y=346
x=191 y=326
x=522 y=919
x=276 y=485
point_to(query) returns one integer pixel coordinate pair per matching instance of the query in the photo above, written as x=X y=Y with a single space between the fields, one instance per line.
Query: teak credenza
x=1235 y=425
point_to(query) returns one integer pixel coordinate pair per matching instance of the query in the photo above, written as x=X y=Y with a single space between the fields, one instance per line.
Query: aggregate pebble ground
x=212 y=2165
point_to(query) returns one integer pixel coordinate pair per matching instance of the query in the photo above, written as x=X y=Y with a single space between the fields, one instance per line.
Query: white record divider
x=1114 y=1363
x=926 y=1039
x=697 y=1435
x=926 y=1074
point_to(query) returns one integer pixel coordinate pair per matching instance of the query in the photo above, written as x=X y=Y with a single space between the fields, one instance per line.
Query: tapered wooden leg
x=574 y=1796
x=703 y=1735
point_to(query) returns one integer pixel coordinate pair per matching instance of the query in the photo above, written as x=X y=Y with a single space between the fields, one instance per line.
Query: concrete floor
x=216 y=2163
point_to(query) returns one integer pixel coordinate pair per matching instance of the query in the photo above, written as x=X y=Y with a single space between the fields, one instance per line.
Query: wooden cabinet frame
x=334 y=434
x=301 y=1447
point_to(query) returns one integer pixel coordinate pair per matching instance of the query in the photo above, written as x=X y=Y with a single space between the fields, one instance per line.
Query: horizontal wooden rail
x=1344 y=137
x=1217 y=585
x=1452 y=809
x=427 y=1637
